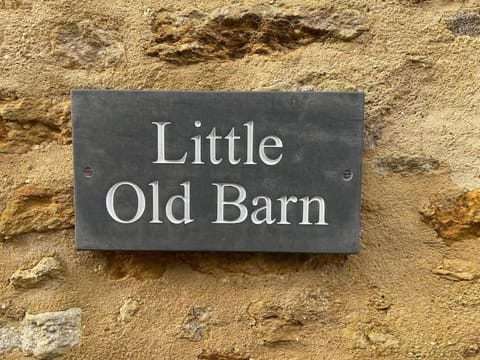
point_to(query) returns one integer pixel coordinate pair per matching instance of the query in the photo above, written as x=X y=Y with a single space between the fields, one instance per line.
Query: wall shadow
x=152 y=264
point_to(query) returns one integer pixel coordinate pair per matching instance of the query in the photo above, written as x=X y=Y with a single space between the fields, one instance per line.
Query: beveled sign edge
x=356 y=236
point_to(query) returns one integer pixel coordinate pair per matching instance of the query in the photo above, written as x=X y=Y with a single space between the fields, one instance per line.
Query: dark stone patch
x=465 y=23
x=408 y=164
x=219 y=355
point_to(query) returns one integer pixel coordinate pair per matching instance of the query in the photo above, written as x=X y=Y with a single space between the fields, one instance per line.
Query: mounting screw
x=87 y=172
x=347 y=175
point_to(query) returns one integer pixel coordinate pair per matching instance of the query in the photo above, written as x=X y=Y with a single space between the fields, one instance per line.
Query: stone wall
x=411 y=293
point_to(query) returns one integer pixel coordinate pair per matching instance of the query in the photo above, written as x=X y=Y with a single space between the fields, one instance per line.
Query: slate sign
x=217 y=171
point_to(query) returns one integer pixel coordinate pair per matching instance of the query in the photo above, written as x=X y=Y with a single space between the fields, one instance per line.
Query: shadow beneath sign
x=152 y=264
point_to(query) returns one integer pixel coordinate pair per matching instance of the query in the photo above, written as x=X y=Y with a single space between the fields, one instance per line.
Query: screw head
x=347 y=175
x=87 y=171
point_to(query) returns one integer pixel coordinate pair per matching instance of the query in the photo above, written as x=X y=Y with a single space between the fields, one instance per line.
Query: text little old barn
x=177 y=208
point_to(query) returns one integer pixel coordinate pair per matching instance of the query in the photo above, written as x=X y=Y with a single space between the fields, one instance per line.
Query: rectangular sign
x=217 y=171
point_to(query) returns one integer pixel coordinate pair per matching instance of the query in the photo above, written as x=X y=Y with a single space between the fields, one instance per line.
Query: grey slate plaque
x=163 y=170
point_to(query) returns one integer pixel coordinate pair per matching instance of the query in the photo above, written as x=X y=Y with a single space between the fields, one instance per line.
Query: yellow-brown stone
x=455 y=220
x=37 y=208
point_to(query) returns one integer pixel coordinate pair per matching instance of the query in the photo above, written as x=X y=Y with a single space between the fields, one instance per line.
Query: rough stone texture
x=259 y=264
x=406 y=295
x=457 y=269
x=471 y=350
x=45 y=336
x=383 y=342
x=235 y=31
x=85 y=45
x=218 y=355
x=465 y=23
x=15 y=4
x=128 y=310
x=30 y=121
x=408 y=164
x=370 y=335
x=285 y=320
x=9 y=312
x=195 y=324
x=46 y=268
x=139 y=266
x=36 y=208
x=457 y=219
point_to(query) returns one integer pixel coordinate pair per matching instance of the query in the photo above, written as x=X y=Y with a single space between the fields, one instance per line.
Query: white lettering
x=212 y=137
x=249 y=127
x=242 y=194
x=155 y=209
x=109 y=201
x=283 y=209
x=267 y=209
x=231 y=147
x=198 y=149
x=261 y=150
x=186 y=206
x=306 y=207
x=161 y=146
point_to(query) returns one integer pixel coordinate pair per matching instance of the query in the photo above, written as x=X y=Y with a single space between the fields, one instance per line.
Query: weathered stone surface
x=366 y=335
x=355 y=338
x=26 y=122
x=128 y=310
x=46 y=268
x=274 y=323
x=45 y=336
x=422 y=98
x=380 y=303
x=457 y=270
x=50 y=334
x=15 y=4
x=221 y=355
x=456 y=219
x=8 y=340
x=36 y=208
x=257 y=263
x=235 y=31
x=10 y=312
x=141 y=266
x=283 y=321
x=471 y=350
x=86 y=44
x=195 y=324
x=407 y=164
x=383 y=341
x=465 y=23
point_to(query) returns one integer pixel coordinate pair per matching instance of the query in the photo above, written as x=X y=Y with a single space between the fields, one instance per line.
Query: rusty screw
x=87 y=172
